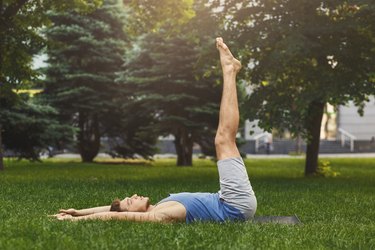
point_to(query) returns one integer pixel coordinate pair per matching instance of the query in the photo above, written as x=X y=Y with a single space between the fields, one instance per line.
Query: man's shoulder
x=172 y=211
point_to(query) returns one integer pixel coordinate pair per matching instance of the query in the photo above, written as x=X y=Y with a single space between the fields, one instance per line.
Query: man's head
x=131 y=204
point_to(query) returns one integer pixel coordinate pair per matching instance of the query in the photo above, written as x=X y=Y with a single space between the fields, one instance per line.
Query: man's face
x=135 y=204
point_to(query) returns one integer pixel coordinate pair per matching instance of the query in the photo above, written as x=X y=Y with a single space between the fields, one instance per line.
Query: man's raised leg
x=235 y=187
x=225 y=140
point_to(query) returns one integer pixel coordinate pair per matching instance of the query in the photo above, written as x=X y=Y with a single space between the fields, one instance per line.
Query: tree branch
x=14 y=8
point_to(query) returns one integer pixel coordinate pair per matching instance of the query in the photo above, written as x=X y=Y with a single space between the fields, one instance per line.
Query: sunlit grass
x=336 y=212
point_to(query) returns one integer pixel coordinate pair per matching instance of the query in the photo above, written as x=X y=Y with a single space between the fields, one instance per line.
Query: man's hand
x=70 y=211
x=64 y=216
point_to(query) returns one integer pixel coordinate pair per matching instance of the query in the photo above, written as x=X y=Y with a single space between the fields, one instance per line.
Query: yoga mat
x=288 y=220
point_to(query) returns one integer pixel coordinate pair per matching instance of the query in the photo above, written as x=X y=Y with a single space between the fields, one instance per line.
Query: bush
x=325 y=170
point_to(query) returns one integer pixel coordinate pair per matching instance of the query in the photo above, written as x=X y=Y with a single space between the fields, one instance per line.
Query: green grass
x=337 y=213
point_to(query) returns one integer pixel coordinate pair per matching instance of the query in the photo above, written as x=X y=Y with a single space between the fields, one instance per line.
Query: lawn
x=337 y=213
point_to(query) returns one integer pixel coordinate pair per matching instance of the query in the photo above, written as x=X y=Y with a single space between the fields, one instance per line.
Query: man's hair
x=116 y=205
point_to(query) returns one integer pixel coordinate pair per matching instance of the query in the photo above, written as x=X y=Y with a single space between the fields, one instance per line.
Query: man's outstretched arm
x=85 y=211
x=129 y=216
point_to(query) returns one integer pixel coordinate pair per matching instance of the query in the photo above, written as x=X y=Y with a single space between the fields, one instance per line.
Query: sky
x=38 y=61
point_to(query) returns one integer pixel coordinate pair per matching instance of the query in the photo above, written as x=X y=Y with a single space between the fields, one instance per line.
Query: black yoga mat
x=289 y=220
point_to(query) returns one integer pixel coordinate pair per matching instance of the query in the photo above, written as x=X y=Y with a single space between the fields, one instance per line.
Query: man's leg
x=235 y=187
x=225 y=140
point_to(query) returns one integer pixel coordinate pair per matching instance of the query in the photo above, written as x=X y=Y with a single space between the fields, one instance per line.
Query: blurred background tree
x=151 y=15
x=21 y=22
x=20 y=40
x=301 y=55
x=31 y=128
x=173 y=71
x=165 y=76
x=84 y=55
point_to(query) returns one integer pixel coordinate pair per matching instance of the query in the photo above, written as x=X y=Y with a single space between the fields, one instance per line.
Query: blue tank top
x=205 y=207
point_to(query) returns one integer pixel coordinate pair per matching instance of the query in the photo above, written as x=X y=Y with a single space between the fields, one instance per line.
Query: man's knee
x=225 y=147
x=222 y=140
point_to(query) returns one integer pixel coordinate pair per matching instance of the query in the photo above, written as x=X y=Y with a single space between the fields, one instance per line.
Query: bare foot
x=228 y=62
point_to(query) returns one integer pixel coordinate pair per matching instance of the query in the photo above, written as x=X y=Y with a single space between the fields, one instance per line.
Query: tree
x=20 y=21
x=129 y=128
x=164 y=78
x=20 y=38
x=176 y=74
x=303 y=54
x=85 y=53
x=151 y=15
x=31 y=127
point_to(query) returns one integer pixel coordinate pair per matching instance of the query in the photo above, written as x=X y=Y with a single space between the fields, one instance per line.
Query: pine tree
x=31 y=127
x=20 y=40
x=166 y=78
x=85 y=53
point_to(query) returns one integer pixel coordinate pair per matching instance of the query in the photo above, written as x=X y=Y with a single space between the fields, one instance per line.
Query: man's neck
x=149 y=209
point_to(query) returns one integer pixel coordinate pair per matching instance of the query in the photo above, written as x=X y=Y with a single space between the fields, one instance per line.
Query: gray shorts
x=235 y=187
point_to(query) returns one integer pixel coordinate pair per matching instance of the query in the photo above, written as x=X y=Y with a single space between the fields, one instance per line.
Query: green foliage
x=130 y=131
x=85 y=53
x=173 y=73
x=325 y=170
x=20 y=40
x=301 y=55
x=306 y=51
x=30 y=127
x=151 y=15
x=164 y=78
x=20 y=36
x=32 y=191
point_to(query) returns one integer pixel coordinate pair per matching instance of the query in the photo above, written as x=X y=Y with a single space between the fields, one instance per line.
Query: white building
x=345 y=118
x=362 y=127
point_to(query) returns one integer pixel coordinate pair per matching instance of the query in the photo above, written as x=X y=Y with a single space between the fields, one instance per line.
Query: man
x=235 y=200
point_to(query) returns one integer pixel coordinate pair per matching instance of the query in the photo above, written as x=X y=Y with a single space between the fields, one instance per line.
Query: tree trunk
x=184 y=148
x=298 y=145
x=313 y=124
x=88 y=137
x=1 y=81
x=1 y=151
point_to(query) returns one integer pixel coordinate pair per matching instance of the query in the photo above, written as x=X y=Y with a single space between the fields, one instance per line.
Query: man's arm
x=86 y=211
x=129 y=216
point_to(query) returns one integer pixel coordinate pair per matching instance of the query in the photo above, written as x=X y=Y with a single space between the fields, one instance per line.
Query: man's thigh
x=235 y=187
